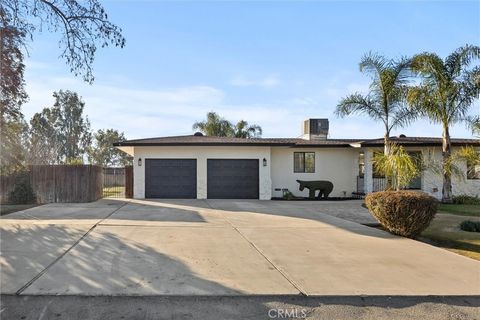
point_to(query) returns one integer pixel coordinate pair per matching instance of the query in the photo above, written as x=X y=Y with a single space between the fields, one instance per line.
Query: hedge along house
x=207 y=167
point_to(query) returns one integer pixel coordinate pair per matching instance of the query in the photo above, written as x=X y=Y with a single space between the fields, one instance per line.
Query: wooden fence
x=58 y=183
x=129 y=182
x=113 y=177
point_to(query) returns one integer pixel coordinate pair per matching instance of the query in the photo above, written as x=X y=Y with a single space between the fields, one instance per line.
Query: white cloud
x=269 y=81
x=138 y=112
x=171 y=111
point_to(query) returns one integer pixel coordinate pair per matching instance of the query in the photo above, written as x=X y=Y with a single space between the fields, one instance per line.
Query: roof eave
x=236 y=144
x=423 y=144
x=222 y=144
x=322 y=146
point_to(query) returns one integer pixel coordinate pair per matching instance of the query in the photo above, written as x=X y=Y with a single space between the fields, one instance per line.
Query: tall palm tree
x=244 y=130
x=214 y=126
x=447 y=90
x=386 y=100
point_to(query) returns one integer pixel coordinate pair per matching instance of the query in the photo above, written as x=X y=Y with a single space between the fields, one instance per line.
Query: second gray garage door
x=232 y=179
x=171 y=178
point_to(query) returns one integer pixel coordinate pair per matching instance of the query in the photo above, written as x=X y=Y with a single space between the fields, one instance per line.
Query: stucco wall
x=432 y=180
x=202 y=153
x=338 y=165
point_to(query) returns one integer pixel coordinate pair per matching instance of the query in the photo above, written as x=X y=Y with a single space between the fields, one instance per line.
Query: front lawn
x=445 y=232
x=115 y=192
x=460 y=209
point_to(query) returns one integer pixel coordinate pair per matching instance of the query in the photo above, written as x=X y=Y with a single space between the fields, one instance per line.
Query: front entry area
x=171 y=178
x=232 y=179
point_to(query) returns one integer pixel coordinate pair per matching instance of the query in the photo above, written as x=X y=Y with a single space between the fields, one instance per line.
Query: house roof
x=192 y=140
x=420 y=141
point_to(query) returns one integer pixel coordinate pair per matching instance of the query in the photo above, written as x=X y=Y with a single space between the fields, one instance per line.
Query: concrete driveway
x=219 y=247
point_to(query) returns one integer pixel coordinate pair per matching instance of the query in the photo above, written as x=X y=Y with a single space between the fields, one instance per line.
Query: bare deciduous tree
x=83 y=26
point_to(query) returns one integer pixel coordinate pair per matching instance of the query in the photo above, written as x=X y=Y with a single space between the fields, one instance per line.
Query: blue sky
x=270 y=63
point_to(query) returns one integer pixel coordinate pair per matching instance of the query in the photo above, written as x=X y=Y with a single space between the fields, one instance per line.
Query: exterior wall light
x=264 y=162
x=139 y=162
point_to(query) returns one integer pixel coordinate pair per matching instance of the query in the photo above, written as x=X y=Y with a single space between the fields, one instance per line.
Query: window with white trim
x=304 y=162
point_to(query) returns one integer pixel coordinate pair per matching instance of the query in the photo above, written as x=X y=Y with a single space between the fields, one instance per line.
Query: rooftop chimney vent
x=315 y=129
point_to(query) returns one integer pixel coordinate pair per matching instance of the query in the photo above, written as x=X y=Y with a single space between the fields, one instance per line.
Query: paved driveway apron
x=219 y=247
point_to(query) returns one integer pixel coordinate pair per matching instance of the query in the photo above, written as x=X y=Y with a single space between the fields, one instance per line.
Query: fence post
x=129 y=182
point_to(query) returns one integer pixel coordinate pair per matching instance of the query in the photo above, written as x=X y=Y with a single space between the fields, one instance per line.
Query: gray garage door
x=171 y=178
x=232 y=178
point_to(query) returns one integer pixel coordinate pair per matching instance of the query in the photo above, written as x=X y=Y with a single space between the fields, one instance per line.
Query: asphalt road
x=240 y=307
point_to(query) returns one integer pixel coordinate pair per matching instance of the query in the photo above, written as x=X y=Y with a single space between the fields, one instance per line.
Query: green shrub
x=406 y=213
x=287 y=195
x=22 y=192
x=470 y=226
x=466 y=199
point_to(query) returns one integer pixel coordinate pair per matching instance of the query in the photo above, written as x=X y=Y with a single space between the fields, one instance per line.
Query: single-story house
x=202 y=167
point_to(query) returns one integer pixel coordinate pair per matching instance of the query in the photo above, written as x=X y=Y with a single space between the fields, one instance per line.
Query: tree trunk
x=386 y=142
x=386 y=151
x=447 y=196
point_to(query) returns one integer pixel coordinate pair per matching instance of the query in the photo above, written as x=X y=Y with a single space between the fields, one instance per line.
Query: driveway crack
x=284 y=274
x=41 y=273
x=295 y=285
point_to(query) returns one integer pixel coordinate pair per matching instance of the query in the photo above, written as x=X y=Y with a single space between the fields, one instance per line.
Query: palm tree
x=475 y=124
x=244 y=130
x=398 y=164
x=214 y=126
x=446 y=93
x=386 y=99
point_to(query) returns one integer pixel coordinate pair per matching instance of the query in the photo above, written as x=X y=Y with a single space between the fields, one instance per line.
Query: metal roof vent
x=198 y=134
x=315 y=129
x=402 y=136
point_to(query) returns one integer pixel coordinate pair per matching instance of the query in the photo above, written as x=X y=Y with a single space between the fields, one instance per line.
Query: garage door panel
x=171 y=178
x=232 y=178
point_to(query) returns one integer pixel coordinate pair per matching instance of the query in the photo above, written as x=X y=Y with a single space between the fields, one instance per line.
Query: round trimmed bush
x=406 y=213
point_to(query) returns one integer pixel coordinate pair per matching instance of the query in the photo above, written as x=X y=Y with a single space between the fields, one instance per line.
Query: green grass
x=10 y=208
x=113 y=192
x=445 y=232
x=472 y=210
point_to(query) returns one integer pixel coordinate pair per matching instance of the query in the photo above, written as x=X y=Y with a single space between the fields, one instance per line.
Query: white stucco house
x=198 y=166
